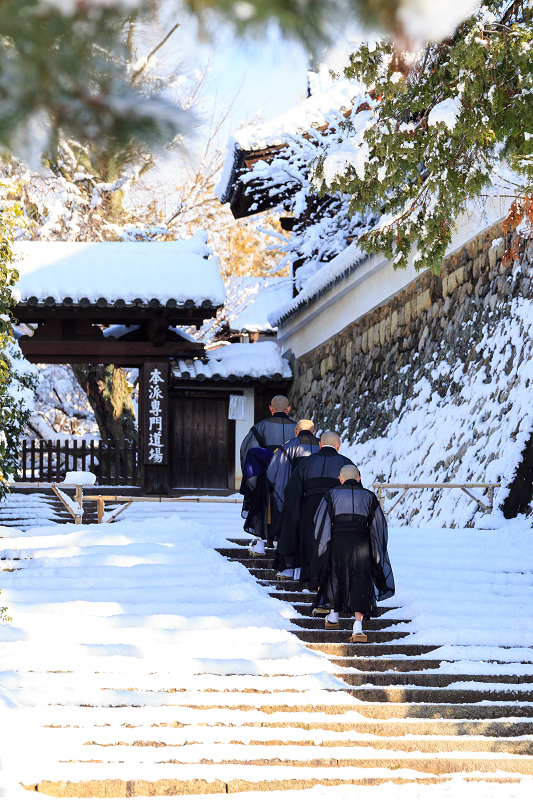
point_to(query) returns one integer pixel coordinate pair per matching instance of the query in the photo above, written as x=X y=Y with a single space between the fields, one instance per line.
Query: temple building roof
x=255 y=300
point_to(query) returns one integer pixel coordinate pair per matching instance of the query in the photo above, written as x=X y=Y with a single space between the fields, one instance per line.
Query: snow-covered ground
x=141 y=617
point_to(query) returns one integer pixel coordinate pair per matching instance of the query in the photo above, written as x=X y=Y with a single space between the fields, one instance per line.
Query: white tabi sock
x=333 y=616
x=358 y=626
x=259 y=546
x=286 y=573
x=297 y=573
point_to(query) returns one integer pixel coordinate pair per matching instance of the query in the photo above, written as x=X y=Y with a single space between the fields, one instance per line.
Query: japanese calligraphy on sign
x=156 y=413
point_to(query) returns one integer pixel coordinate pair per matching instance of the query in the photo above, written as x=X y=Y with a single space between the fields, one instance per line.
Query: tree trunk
x=109 y=394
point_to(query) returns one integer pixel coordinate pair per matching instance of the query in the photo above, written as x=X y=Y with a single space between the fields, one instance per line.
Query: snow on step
x=140 y=660
x=28 y=511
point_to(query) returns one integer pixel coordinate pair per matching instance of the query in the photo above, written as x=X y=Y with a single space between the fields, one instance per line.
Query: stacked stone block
x=342 y=384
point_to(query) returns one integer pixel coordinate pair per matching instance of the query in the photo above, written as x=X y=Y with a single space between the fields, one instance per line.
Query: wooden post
x=78 y=498
x=50 y=473
x=32 y=460
x=58 y=460
x=100 y=465
x=381 y=499
x=41 y=460
x=100 y=508
x=24 y=456
x=117 y=464
x=134 y=466
x=83 y=455
x=491 y=498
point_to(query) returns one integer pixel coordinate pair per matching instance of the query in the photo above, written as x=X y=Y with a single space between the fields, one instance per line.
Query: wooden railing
x=486 y=506
x=47 y=460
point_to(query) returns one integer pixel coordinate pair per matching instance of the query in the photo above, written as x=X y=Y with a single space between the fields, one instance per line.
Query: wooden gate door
x=202 y=448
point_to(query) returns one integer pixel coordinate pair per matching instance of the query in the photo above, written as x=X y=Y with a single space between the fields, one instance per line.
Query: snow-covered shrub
x=17 y=377
x=18 y=380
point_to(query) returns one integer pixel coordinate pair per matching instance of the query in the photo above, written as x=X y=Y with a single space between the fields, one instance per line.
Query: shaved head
x=331 y=438
x=349 y=473
x=305 y=425
x=280 y=403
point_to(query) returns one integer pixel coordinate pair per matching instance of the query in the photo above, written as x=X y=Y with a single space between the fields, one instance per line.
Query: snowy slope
x=462 y=422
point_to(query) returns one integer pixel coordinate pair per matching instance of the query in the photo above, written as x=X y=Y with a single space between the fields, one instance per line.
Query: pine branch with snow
x=451 y=124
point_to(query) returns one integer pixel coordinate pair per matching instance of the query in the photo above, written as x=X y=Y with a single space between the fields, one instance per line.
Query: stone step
x=340 y=637
x=436 y=765
x=266 y=574
x=404 y=727
x=245 y=543
x=341 y=649
x=278 y=738
x=346 y=624
x=303 y=603
x=258 y=563
x=385 y=704
x=288 y=726
x=383 y=664
x=399 y=694
x=429 y=679
x=171 y=787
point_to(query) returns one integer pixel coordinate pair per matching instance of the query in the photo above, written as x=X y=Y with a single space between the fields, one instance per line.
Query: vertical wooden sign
x=155 y=388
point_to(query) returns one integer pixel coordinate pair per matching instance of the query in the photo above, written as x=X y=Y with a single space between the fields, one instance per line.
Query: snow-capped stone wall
x=436 y=384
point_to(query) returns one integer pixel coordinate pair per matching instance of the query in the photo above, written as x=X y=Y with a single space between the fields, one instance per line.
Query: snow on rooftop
x=311 y=113
x=181 y=270
x=255 y=300
x=325 y=277
x=334 y=99
x=237 y=361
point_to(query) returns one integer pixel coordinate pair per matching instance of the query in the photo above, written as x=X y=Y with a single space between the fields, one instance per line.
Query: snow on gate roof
x=237 y=363
x=180 y=273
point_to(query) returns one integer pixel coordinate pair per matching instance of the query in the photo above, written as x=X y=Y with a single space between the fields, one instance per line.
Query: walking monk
x=350 y=564
x=306 y=487
x=267 y=434
x=284 y=461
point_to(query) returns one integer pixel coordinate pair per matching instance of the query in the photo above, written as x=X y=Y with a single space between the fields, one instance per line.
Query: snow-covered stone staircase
x=34 y=509
x=259 y=718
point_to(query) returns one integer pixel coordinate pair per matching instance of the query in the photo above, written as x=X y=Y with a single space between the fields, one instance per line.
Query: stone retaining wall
x=359 y=381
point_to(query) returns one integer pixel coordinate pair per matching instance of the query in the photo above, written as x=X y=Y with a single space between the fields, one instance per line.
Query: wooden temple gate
x=186 y=439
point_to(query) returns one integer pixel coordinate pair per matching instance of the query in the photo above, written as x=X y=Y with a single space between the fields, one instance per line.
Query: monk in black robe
x=305 y=489
x=268 y=434
x=350 y=563
x=284 y=461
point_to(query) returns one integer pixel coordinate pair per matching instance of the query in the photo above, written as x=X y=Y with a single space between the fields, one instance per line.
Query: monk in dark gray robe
x=350 y=563
x=269 y=434
x=284 y=461
x=305 y=489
